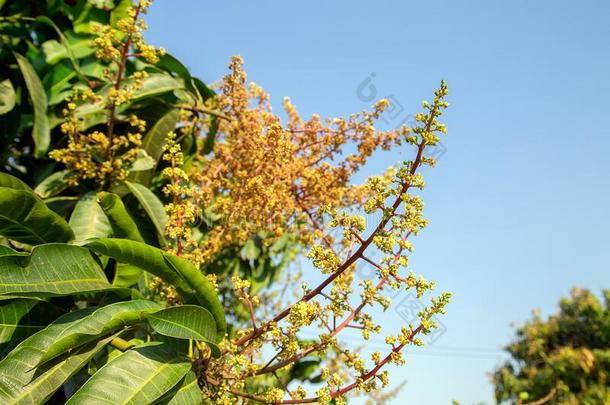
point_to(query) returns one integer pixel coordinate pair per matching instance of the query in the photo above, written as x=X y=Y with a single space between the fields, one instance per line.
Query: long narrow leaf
x=123 y=226
x=152 y=205
x=102 y=321
x=186 y=322
x=23 y=383
x=41 y=132
x=24 y=217
x=186 y=392
x=178 y=272
x=52 y=270
x=138 y=376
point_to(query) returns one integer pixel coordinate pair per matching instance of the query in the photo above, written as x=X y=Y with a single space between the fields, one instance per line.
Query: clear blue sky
x=519 y=202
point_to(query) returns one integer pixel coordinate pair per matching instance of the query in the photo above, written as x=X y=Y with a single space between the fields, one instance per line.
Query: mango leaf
x=102 y=321
x=154 y=85
x=54 y=184
x=41 y=131
x=123 y=226
x=171 y=64
x=5 y=250
x=154 y=141
x=52 y=270
x=204 y=290
x=178 y=272
x=138 y=376
x=7 y=96
x=141 y=255
x=186 y=322
x=152 y=205
x=88 y=220
x=8 y=181
x=126 y=275
x=186 y=392
x=11 y=315
x=57 y=83
x=143 y=162
x=72 y=46
x=120 y=11
x=25 y=218
x=21 y=318
x=21 y=382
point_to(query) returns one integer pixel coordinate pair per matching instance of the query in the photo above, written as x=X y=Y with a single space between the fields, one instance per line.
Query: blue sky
x=518 y=205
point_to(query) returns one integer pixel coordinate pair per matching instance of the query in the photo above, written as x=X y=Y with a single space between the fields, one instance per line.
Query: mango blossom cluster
x=266 y=177
x=105 y=157
x=270 y=177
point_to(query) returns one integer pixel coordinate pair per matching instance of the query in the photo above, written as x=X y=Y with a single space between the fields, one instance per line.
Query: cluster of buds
x=105 y=157
x=243 y=372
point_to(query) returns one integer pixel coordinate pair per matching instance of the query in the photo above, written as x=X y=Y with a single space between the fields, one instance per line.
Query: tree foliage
x=150 y=225
x=564 y=359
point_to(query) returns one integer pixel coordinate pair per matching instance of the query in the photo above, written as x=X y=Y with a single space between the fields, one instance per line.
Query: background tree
x=564 y=359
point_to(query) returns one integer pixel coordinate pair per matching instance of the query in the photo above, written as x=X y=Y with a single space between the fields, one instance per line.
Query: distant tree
x=562 y=360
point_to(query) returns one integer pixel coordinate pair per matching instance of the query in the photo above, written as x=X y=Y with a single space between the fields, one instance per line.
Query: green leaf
x=186 y=392
x=54 y=184
x=143 y=162
x=6 y=180
x=88 y=220
x=22 y=382
x=204 y=290
x=7 y=96
x=154 y=142
x=21 y=318
x=178 y=272
x=57 y=83
x=152 y=205
x=141 y=255
x=120 y=11
x=186 y=322
x=126 y=275
x=52 y=270
x=156 y=84
x=5 y=250
x=173 y=65
x=138 y=376
x=123 y=226
x=102 y=321
x=12 y=315
x=73 y=47
x=40 y=132
x=24 y=217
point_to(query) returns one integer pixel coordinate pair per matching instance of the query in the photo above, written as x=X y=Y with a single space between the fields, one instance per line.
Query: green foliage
x=564 y=359
x=76 y=263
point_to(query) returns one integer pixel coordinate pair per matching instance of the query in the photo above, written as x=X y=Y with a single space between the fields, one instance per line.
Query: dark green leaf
x=121 y=222
x=186 y=392
x=40 y=132
x=152 y=205
x=180 y=273
x=22 y=383
x=154 y=142
x=24 y=217
x=101 y=322
x=138 y=376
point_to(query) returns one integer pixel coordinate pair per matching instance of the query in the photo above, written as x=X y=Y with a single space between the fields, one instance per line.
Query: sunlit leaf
x=138 y=376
